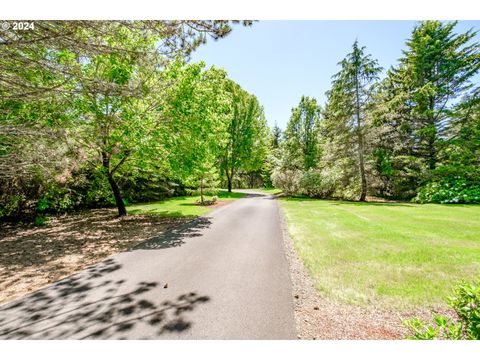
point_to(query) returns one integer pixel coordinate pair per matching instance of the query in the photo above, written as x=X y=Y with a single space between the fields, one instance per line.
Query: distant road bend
x=221 y=276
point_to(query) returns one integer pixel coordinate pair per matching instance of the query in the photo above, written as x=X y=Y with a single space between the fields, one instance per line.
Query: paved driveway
x=222 y=276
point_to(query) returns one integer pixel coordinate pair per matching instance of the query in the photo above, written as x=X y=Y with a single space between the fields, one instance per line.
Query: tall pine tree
x=348 y=100
x=417 y=104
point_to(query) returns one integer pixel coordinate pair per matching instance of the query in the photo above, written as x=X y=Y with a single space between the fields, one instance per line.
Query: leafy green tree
x=301 y=143
x=98 y=81
x=247 y=134
x=195 y=111
x=32 y=62
x=348 y=103
x=115 y=114
x=205 y=178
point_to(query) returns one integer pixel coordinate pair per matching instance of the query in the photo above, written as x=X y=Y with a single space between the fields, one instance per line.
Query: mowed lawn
x=182 y=206
x=270 y=191
x=398 y=255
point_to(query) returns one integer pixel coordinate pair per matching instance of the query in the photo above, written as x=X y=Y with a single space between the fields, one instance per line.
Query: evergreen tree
x=416 y=106
x=276 y=136
x=436 y=68
x=348 y=102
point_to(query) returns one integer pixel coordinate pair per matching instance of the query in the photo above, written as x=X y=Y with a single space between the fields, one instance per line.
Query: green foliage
x=109 y=96
x=276 y=137
x=420 y=124
x=346 y=114
x=317 y=184
x=452 y=190
x=300 y=147
x=57 y=199
x=415 y=133
x=196 y=108
x=11 y=205
x=99 y=113
x=442 y=328
x=436 y=68
x=298 y=151
x=247 y=142
x=466 y=303
x=40 y=220
x=206 y=181
x=287 y=180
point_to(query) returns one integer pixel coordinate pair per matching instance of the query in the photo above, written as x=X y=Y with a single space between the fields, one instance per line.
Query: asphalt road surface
x=222 y=276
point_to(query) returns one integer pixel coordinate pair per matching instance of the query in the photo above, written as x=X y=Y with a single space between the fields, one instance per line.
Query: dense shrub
x=19 y=195
x=316 y=183
x=57 y=199
x=452 y=190
x=32 y=197
x=287 y=180
x=466 y=303
x=396 y=177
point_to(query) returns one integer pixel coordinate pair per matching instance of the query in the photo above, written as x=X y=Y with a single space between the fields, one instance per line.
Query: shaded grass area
x=399 y=255
x=182 y=206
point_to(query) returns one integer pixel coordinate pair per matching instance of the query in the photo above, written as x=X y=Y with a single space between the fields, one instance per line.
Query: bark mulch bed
x=32 y=256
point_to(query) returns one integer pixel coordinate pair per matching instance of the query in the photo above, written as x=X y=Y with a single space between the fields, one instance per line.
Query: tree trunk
x=432 y=161
x=122 y=211
x=202 y=201
x=229 y=180
x=363 y=195
x=432 y=154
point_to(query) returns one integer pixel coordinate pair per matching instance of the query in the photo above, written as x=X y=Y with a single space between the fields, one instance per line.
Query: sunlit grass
x=182 y=206
x=271 y=191
x=396 y=254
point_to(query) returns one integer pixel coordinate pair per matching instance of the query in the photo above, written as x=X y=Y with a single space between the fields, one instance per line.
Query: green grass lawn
x=182 y=206
x=398 y=255
x=271 y=191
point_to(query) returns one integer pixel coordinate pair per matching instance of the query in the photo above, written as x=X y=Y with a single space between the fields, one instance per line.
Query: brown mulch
x=217 y=203
x=317 y=317
x=32 y=256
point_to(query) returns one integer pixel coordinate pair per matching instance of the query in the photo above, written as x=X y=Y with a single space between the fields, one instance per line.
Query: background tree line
x=412 y=135
x=96 y=113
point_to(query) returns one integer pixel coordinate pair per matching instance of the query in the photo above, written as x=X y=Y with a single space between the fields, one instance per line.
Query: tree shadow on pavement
x=34 y=256
x=94 y=304
x=252 y=195
x=176 y=236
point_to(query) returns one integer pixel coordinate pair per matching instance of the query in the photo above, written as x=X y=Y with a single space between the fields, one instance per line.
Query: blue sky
x=279 y=61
